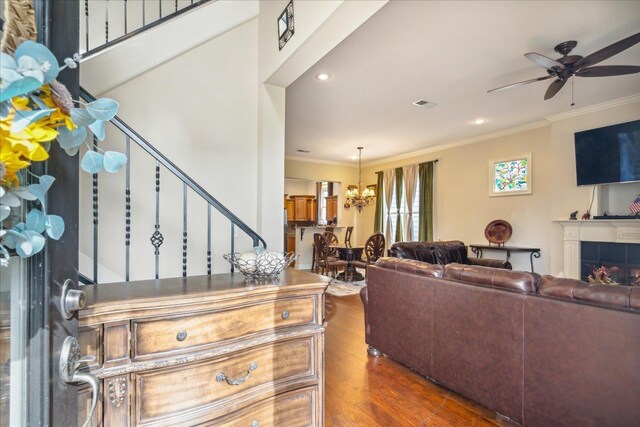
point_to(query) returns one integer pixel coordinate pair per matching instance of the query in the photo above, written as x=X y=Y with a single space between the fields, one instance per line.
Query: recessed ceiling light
x=303 y=151
x=323 y=76
x=478 y=121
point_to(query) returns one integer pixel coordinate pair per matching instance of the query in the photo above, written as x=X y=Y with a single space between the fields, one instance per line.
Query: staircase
x=151 y=220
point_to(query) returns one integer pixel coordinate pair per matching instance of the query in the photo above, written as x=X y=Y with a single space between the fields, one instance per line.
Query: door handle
x=70 y=362
x=71 y=300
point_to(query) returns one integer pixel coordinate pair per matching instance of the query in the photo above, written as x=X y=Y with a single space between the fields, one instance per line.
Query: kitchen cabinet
x=289 y=206
x=305 y=208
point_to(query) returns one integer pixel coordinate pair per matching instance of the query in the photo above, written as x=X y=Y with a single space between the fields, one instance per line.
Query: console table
x=533 y=252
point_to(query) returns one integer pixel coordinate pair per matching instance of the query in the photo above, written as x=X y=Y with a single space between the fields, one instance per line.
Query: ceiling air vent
x=424 y=104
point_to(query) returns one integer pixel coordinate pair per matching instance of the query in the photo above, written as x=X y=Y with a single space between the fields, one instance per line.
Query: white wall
x=299 y=187
x=462 y=206
x=202 y=113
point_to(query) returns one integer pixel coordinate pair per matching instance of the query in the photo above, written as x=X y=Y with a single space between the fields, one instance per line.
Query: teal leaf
x=5 y=211
x=72 y=151
x=113 y=161
x=29 y=67
x=10 y=199
x=24 y=193
x=92 y=162
x=12 y=238
x=40 y=53
x=69 y=139
x=55 y=226
x=46 y=181
x=32 y=245
x=81 y=117
x=103 y=109
x=38 y=191
x=24 y=118
x=97 y=128
x=21 y=226
x=8 y=68
x=19 y=87
x=36 y=220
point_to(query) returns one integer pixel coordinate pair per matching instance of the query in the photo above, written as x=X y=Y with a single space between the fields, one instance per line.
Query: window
x=404 y=213
x=324 y=193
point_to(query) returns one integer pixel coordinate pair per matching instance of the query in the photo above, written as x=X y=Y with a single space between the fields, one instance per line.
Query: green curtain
x=378 y=225
x=425 y=228
x=399 y=176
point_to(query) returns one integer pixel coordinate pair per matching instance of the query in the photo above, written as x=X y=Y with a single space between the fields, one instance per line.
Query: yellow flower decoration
x=10 y=164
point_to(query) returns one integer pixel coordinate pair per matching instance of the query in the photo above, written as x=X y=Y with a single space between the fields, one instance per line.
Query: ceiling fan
x=575 y=65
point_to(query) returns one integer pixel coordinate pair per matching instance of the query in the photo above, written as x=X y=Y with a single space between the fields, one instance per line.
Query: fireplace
x=601 y=238
x=624 y=256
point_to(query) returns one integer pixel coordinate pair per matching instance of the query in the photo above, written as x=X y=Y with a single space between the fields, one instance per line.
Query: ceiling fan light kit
x=569 y=66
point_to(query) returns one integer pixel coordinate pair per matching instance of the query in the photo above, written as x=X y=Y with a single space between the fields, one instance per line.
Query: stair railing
x=187 y=184
x=122 y=19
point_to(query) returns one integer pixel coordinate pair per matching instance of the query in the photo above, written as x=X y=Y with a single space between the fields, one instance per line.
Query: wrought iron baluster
x=176 y=2
x=157 y=238
x=184 y=229
x=233 y=243
x=106 y=21
x=160 y=7
x=95 y=218
x=144 y=20
x=127 y=191
x=86 y=23
x=208 y=239
x=125 y=17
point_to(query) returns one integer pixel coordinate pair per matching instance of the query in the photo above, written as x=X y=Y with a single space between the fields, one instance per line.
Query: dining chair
x=373 y=250
x=332 y=239
x=347 y=236
x=324 y=261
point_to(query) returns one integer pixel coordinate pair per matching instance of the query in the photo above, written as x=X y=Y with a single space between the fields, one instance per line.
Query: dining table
x=349 y=253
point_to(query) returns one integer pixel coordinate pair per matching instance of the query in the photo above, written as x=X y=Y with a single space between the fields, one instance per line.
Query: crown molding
x=594 y=108
x=467 y=141
x=324 y=162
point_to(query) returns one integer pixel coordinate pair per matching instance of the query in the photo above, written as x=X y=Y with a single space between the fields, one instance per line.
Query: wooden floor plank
x=376 y=391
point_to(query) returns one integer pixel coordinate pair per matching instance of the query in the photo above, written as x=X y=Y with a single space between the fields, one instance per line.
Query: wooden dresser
x=207 y=350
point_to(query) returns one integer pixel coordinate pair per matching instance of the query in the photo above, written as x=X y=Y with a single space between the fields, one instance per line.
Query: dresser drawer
x=176 y=334
x=167 y=395
x=292 y=409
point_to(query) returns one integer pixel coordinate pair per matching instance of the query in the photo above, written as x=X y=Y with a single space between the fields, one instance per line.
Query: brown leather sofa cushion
x=411 y=266
x=619 y=297
x=520 y=281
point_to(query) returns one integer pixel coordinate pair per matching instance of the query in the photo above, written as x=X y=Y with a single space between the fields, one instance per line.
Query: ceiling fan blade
x=608 y=70
x=526 y=82
x=554 y=88
x=607 y=52
x=543 y=61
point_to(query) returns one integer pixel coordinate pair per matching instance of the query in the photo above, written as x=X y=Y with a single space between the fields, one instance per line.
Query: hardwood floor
x=376 y=391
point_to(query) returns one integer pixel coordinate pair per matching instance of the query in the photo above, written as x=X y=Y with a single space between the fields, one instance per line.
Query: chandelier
x=355 y=196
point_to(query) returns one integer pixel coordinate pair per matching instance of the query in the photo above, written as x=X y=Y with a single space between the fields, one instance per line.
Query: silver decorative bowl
x=265 y=267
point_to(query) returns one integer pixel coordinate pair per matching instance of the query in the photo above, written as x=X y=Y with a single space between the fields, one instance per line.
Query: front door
x=33 y=326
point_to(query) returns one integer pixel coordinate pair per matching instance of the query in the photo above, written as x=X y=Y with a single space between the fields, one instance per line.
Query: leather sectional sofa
x=441 y=253
x=542 y=351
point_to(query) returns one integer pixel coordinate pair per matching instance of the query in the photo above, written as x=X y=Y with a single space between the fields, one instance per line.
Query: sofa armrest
x=364 y=296
x=486 y=262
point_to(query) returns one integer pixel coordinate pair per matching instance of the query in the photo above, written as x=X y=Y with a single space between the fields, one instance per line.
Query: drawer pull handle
x=285 y=314
x=222 y=377
x=182 y=335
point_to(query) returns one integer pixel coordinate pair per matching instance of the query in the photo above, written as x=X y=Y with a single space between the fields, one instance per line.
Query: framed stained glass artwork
x=286 y=27
x=511 y=176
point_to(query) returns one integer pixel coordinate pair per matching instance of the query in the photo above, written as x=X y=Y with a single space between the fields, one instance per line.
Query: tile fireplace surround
x=596 y=230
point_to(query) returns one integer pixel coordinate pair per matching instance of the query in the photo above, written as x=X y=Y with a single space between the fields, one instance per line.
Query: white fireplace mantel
x=595 y=230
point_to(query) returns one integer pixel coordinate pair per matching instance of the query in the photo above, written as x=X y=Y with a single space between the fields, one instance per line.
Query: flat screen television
x=609 y=154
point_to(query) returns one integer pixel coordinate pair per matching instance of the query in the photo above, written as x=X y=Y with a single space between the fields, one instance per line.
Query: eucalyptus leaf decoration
x=36 y=109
